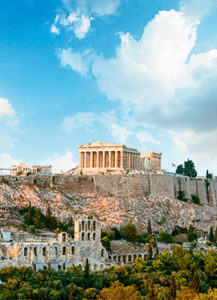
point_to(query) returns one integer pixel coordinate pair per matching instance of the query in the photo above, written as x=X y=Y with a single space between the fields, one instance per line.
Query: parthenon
x=99 y=157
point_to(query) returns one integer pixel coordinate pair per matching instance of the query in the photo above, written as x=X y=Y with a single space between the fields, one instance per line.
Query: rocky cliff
x=114 y=199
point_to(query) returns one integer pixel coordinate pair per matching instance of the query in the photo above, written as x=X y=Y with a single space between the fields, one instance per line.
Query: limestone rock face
x=112 y=199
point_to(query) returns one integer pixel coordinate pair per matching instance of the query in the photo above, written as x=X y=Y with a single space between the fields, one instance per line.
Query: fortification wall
x=121 y=186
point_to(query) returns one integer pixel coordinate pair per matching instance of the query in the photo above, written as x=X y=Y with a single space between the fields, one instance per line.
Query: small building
x=100 y=157
x=23 y=169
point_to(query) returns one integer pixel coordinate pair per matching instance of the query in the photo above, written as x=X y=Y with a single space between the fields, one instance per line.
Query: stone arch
x=35 y=251
x=64 y=266
x=124 y=259
x=64 y=250
x=44 y=251
x=25 y=251
x=59 y=268
x=134 y=257
x=73 y=250
x=119 y=258
x=56 y=251
x=44 y=268
x=82 y=225
x=88 y=225
x=115 y=257
x=102 y=252
x=88 y=236
x=94 y=225
x=94 y=236
x=129 y=258
x=109 y=257
x=64 y=237
x=82 y=236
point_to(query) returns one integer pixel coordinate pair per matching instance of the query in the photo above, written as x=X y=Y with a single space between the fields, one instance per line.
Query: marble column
x=109 y=159
x=85 y=159
x=97 y=159
x=91 y=159
x=116 y=159
x=103 y=159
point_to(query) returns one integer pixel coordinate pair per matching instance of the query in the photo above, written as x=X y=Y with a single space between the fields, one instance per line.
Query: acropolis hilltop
x=102 y=157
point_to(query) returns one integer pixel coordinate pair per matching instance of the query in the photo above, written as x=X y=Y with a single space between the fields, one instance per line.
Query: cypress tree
x=216 y=235
x=211 y=235
x=29 y=217
x=190 y=233
x=156 y=253
x=38 y=219
x=149 y=229
x=149 y=250
x=87 y=269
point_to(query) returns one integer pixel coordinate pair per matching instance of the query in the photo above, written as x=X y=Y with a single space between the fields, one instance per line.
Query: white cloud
x=81 y=13
x=6 y=160
x=54 y=29
x=120 y=133
x=145 y=137
x=6 y=108
x=61 y=163
x=75 y=60
x=104 y=7
x=197 y=9
x=79 y=120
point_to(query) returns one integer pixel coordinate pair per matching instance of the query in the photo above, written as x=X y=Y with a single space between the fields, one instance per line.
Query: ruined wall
x=121 y=186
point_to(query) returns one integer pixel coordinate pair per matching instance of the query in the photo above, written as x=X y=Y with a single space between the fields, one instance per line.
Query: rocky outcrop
x=115 y=199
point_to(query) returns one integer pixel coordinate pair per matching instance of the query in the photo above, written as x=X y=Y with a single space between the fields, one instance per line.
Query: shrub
x=32 y=229
x=166 y=237
x=163 y=220
x=195 y=199
x=106 y=243
x=181 y=196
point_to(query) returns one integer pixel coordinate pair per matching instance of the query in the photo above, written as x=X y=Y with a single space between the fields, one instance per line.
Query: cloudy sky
x=138 y=72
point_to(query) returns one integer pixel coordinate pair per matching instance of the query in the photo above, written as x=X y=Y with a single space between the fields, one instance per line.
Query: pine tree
x=149 y=229
x=29 y=216
x=195 y=283
x=51 y=222
x=149 y=250
x=211 y=235
x=180 y=169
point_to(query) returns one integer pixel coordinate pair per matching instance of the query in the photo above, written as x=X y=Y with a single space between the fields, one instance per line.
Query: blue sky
x=137 y=72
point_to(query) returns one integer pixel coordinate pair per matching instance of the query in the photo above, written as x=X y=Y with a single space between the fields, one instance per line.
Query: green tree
x=195 y=283
x=208 y=175
x=211 y=235
x=71 y=291
x=106 y=243
x=150 y=250
x=128 y=231
x=215 y=235
x=151 y=291
x=190 y=233
x=189 y=169
x=29 y=215
x=172 y=292
x=149 y=229
x=51 y=222
x=180 y=169
x=38 y=219
x=87 y=270
x=156 y=253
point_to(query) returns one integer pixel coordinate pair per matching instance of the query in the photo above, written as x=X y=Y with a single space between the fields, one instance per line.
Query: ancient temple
x=100 y=157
